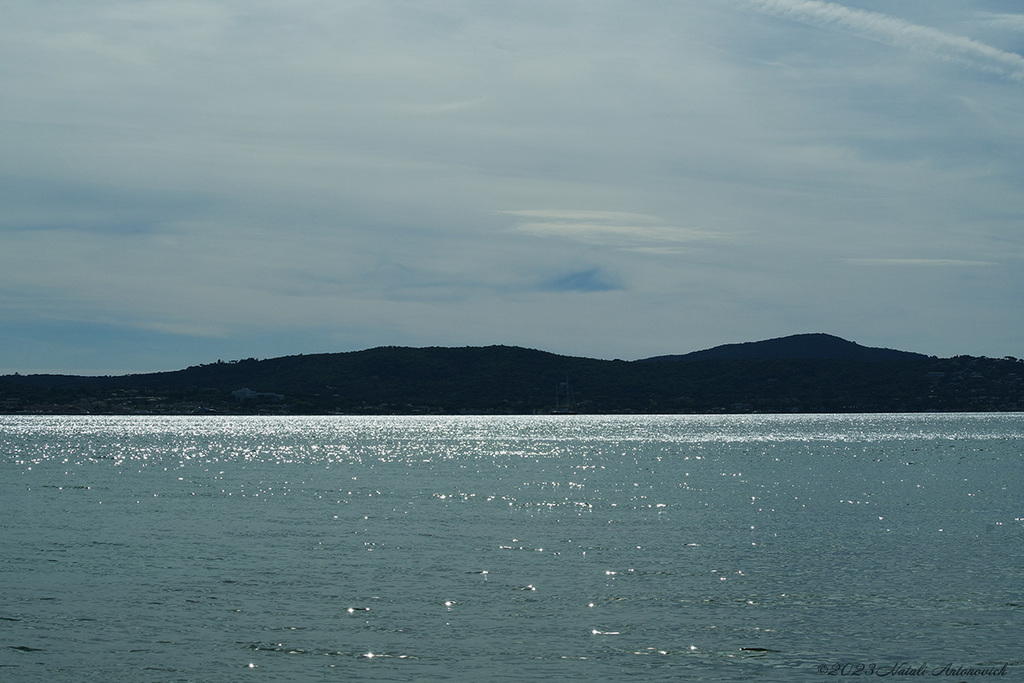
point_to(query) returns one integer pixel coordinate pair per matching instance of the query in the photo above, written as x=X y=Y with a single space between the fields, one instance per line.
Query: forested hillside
x=772 y=377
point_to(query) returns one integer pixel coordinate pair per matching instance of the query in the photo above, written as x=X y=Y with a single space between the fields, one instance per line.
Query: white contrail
x=898 y=32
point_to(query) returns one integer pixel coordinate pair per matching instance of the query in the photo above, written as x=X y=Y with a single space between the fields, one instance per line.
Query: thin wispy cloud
x=918 y=262
x=624 y=230
x=1008 y=22
x=442 y=107
x=899 y=32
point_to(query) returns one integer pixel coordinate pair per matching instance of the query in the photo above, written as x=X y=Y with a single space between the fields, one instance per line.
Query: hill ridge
x=817 y=345
x=800 y=373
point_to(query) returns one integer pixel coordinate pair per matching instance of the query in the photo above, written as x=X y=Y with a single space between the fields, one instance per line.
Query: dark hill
x=803 y=373
x=797 y=346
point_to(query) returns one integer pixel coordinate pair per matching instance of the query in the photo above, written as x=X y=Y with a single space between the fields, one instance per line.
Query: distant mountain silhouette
x=796 y=347
x=804 y=373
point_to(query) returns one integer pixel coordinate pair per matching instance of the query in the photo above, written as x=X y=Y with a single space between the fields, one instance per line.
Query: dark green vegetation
x=802 y=373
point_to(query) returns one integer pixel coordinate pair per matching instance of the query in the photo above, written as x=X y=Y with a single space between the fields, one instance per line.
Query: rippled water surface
x=522 y=548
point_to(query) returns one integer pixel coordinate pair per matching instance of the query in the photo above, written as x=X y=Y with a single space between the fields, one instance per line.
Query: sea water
x=648 y=548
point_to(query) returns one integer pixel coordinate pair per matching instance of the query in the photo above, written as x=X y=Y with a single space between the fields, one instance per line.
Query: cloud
x=928 y=262
x=623 y=230
x=901 y=33
x=441 y=107
x=590 y=280
x=1009 y=22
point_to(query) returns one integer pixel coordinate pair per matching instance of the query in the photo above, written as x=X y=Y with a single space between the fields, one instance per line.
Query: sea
x=514 y=548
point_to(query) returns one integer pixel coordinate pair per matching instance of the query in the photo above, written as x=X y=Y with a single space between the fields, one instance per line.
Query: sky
x=185 y=181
